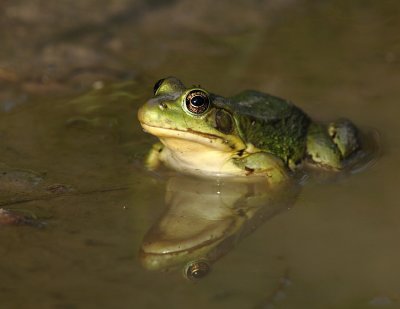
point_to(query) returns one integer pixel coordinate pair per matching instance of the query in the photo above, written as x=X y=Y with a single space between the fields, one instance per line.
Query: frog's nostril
x=163 y=105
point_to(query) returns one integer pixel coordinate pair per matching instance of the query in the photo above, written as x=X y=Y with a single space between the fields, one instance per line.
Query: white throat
x=194 y=158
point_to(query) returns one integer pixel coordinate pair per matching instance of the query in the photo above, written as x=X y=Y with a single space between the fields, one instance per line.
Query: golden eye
x=197 y=102
x=196 y=270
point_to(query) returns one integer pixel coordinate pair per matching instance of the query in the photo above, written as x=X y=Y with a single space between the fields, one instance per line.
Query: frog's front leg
x=263 y=164
x=153 y=159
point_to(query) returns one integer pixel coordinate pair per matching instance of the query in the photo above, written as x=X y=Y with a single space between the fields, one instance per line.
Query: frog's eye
x=157 y=85
x=197 y=102
x=196 y=270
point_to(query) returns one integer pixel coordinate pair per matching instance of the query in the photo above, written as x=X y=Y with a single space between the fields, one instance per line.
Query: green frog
x=249 y=134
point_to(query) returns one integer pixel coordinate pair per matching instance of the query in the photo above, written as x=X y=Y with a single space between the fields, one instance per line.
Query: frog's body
x=251 y=133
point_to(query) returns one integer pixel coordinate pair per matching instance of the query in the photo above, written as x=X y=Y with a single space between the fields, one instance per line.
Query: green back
x=271 y=124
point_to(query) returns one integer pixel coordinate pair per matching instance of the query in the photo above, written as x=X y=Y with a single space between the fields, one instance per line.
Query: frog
x=249 y=134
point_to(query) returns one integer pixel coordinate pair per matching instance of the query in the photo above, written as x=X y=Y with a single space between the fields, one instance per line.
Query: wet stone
x=10 y=218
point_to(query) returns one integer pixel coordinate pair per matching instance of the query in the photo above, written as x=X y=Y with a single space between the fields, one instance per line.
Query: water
x=74 y=153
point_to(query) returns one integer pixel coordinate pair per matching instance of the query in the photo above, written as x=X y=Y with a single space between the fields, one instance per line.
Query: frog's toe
x=345 y=136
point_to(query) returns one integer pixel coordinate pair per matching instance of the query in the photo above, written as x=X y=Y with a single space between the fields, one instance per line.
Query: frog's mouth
x=189 y=135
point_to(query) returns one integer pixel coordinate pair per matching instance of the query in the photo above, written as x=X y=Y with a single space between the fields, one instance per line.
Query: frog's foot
x=263 y=164
x=345 y=136
x=331 y=145
x=153 y=161
x=321 y=149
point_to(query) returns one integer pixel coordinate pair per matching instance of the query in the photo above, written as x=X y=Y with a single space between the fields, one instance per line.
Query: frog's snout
x=141 y=113
x=149 y=112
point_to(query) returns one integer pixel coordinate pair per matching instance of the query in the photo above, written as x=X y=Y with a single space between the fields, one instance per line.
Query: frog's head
x=181 y=116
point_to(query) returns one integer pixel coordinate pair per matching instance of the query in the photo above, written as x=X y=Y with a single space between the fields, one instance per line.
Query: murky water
x=70 y=154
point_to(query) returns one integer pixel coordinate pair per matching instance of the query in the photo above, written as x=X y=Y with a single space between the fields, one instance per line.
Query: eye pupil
x=197 y=102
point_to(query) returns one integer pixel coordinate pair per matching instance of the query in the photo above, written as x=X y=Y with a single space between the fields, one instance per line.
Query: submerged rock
x=16 y=180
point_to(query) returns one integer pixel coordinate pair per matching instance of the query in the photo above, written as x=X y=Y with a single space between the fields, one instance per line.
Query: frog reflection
x=204 y=220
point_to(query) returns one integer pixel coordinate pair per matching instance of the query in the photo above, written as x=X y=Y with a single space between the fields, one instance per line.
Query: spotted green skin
x=250 y=133
x=269 y=123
